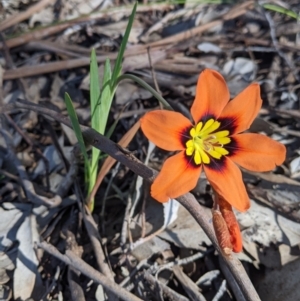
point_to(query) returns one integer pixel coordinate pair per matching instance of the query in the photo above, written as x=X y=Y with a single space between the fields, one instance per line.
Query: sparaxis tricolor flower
x=213 y=141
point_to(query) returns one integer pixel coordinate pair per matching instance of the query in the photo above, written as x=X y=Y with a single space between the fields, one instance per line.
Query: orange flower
x=213 y=141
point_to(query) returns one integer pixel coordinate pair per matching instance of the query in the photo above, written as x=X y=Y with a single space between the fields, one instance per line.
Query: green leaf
x=106 y=97
x=281 y=10
x=76 y=126
x=100 y=112
x=118 y=63
x=94 y=91
x=100 y=109
x=95 y=114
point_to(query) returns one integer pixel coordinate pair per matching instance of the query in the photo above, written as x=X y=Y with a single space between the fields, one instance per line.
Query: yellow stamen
x=206 y=143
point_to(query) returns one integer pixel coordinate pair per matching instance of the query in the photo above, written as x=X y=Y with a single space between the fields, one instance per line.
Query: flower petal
x=212 y=95
x=166 y=129
x=226 y=179
x=236 y=238
x=257 y=152
x=176 y=178
x=242 y=110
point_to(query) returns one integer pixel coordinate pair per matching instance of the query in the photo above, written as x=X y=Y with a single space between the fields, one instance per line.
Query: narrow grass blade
x=94 y=91
x=100 y=107
x=282 y=10
x=106 y=97
x=95 y=112
x=76 y=126
x=118 y=63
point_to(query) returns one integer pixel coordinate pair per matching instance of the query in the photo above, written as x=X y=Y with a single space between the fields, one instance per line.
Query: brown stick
x=71 y=64
x=19 y=17
x=167 y=291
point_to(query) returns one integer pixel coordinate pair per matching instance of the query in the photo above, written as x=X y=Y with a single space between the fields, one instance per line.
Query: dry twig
x=189 y=286
x=95 y=239
x=19 y=17
x=167 y=291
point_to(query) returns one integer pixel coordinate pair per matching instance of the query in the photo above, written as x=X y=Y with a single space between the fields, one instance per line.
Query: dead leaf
x=18 y=225
x=264 y=231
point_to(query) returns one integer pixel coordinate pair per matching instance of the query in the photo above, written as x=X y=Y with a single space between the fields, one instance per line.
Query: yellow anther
x=206 y=143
